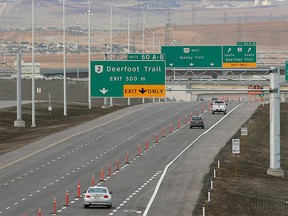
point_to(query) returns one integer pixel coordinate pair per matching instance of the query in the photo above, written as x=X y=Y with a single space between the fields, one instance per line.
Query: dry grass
x=12 y=138
x=250 y=190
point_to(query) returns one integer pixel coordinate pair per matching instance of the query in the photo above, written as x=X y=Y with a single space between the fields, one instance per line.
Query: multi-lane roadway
x=166 y=162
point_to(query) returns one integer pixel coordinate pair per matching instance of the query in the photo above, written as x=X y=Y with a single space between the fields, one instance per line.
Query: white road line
x=181 y=153
x=88 y=163
x=68 y=137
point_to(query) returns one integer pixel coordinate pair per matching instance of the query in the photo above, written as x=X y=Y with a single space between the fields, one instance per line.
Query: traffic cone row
x=170 y=128
x=102 y=175
x=156 y=138
x=147 y=144
x=93 y=181
x=109 y=168
x=54 y=206
x=67 y=198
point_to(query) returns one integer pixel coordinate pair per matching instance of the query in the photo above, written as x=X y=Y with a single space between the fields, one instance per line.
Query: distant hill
x=150 y=13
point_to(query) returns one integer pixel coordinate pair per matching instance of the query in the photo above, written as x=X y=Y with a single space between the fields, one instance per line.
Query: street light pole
x=143 y=38
x=77 y=47
x=153 y=43
x=128 y=41
x=111 y=22
x=64 y=62
x=33 y=78
x=128 y=48
x=89 y=53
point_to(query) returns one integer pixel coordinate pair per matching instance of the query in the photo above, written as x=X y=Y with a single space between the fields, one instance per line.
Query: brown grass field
x=269 y=36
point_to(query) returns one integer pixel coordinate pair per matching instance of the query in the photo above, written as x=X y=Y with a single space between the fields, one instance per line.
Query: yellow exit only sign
x=144 y=91
x=239 y=65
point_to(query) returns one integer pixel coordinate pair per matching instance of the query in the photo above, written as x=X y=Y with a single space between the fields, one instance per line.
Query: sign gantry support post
x=275 y=167
x=19 y=122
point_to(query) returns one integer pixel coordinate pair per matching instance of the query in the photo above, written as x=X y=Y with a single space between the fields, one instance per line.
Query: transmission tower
x=168 y=29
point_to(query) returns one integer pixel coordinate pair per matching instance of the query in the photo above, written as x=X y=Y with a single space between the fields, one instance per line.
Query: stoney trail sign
x=193 y=56
x=141 y=78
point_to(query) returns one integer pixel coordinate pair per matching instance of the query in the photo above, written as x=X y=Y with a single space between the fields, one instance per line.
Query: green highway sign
x=192 y=56
x=127 y=78
x=261 y=95
x=145 y=56
x=239 y=56
x=242 y=55
x=246 y=43
x=286 y=70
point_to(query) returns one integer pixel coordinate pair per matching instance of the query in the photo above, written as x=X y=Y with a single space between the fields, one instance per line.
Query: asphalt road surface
x=165 y=179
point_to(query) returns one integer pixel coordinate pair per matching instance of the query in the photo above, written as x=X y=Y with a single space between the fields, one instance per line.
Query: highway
x=164 y=179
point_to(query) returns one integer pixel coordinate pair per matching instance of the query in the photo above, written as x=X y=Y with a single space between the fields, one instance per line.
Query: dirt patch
x=47 y=123
x=249 y=190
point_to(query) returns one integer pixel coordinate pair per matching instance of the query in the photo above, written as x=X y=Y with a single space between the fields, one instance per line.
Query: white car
x=98 y=196
x=219 y=106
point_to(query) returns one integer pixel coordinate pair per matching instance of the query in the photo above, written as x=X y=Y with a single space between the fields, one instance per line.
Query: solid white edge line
x=181 y=153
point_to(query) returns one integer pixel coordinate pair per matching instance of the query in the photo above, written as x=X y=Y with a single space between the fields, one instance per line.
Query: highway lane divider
x=67 y=199
x=102 y=175
x=126 y=164
x=70 y=153
x=179 y=155
x=156 y=138
x=139 y=151
x=93 y=181
x=54 y=207
x=117 y=164
x=170 y=128
x=78 y=133
x=121 y=205
x=127 y=158
x=109 y=170
x=79 y=190
x=163 y=132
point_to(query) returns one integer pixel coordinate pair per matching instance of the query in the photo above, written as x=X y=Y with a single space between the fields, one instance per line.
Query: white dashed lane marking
x=72 y=151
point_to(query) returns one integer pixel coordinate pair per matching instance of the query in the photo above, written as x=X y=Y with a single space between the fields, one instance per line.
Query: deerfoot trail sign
x=128 y=78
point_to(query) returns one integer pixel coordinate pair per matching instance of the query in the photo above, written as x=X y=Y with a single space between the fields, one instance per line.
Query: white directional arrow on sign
x=103 y=91
x=171 y=64
x=191 y=64
x=211 y=64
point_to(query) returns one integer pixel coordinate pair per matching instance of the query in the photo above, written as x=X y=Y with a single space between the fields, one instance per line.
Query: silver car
x=98 y=196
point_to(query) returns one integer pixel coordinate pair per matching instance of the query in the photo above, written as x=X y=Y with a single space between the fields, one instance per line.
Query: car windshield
x=97 y=190
x=218 y=102
x=196 y=118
